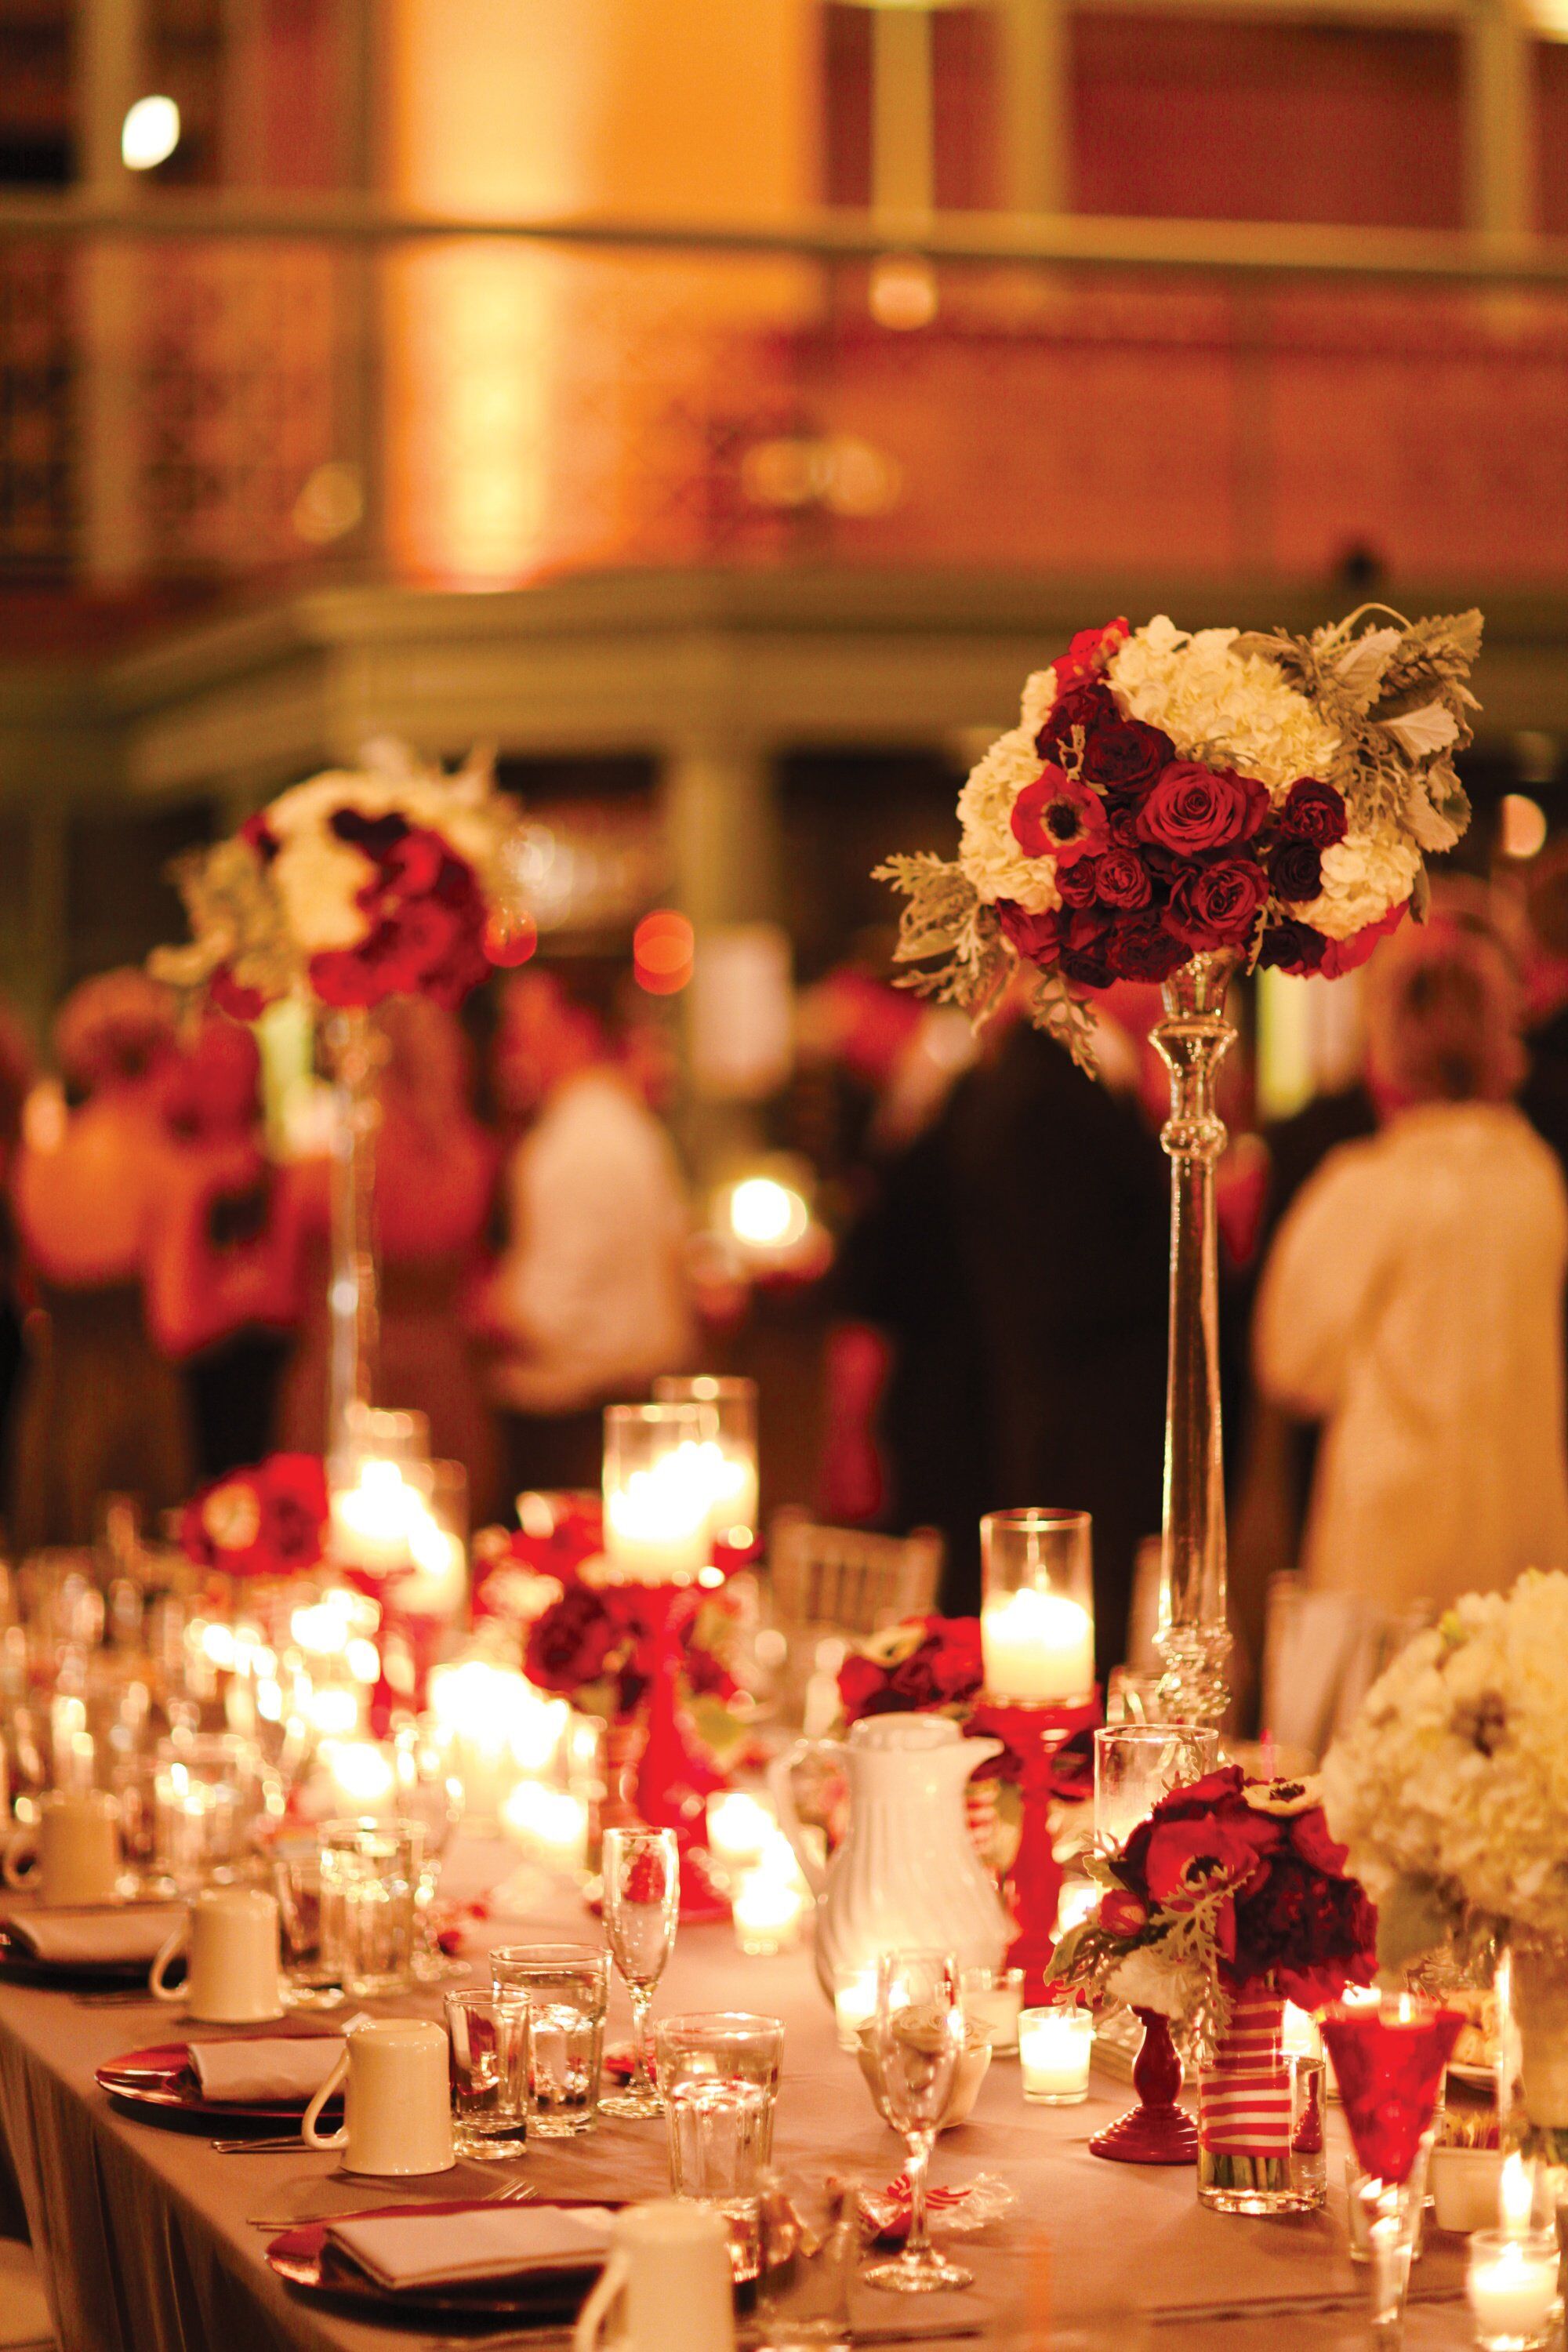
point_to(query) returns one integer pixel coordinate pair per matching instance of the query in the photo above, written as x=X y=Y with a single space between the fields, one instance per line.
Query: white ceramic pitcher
x=906 y=1873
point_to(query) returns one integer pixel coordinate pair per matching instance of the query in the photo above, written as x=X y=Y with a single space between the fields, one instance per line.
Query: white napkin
x=496 y=2242
x=67 y=1938
x=268 y=2066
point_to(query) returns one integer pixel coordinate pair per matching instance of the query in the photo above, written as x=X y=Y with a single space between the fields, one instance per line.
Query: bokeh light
x=150 y=134
x=664 y=947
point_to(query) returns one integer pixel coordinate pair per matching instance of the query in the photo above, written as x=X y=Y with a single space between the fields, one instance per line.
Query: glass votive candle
x=994 y=1999
x=854 y=2003
x=1054 y=2046
x=766 y=1910
x=1512 y=2289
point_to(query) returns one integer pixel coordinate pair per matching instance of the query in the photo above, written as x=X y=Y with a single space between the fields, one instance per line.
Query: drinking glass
x=1389 y=2060
x=1136 y=1764
x=431 y=1794
x=370 y=1887
x=808 y=2242
x=308 y=1980
x=566 y=1988
x=641 y=1872
x=489 y=2036
x=916 y=2039
x=719 y=2075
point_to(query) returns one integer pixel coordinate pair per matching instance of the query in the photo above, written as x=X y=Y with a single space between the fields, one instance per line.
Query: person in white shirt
x=589 y=1300
x=1413 y=1302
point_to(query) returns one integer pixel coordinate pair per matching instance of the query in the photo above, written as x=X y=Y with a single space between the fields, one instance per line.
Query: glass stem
x=1388 y=2243
x=642 y=2075
x=917 y=2246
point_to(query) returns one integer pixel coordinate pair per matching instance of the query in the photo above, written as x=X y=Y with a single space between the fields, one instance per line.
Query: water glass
x=809 y=2246
x=297 y=1882
x=719 y=2077
x=369 y=1893
x=488 y=2037
x=1136 y=1764
x=566 y=1987
x=641 y=1876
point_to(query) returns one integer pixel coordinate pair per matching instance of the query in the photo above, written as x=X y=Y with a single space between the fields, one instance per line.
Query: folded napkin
x=492 y=2241
x=107 y=1938
x=270 y=2066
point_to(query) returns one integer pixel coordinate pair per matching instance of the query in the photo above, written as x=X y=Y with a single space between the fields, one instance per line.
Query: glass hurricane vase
x=1244 y=2114
x=1192 y=1039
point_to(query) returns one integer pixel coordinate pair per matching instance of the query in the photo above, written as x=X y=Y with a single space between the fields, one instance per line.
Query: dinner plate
x=1479 y=2078
x=304 y=2257
x=19 y=1966
x=163 y=2078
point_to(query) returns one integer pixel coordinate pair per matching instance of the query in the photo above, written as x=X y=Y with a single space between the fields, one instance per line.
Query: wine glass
x=641 y=1872
x=916 y=2039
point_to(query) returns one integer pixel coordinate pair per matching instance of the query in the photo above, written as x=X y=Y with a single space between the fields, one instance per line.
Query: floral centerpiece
x=268 y=1520
x=1175 y=807
x=1450 y=1790
x=929 y=1666
x=1231 y=1898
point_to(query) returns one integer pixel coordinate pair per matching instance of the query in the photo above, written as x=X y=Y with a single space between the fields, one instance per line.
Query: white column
x=1036 y=124
x=109 y=69
x=1499 y=120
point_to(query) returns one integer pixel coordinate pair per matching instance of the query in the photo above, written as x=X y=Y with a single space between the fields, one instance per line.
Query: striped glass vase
x=1244 y=2114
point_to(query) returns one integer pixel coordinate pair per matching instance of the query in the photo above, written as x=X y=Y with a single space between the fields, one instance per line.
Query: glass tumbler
x=488 y=2032
x=1136 y=1764
x=369 y=1893
x=719 y=2077
x=565 y=1989
x=809 y=2246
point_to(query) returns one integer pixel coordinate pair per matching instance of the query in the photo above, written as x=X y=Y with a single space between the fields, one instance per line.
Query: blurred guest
x=434 y=1173
x=1544 y=1095
x=1413 y=1301
x=17 y=1074
x=589 y=1299
x=101 y=1408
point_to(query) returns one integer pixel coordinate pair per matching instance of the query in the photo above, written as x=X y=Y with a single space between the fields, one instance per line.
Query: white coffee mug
x=668 y=2257
x=232 y=1979
x=74 y=1852
x=397 y=2106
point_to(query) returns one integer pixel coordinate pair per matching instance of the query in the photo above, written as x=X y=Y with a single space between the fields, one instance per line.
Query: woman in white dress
x=1413 y=1302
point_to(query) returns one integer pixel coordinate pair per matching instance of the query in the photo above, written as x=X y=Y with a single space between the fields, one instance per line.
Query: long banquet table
x=146 y=2240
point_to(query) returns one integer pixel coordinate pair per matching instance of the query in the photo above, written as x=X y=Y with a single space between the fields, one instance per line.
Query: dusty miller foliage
x=236 y=922
x=1366 y=674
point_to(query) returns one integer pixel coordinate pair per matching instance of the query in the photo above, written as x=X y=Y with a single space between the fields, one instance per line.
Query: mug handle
x=22 y=1852
x=308 y=2132
x=170 y=1952
x=606 y=2287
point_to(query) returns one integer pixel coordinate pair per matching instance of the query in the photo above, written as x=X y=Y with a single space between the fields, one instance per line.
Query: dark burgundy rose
x=569 y=1643
x=1086 y=947
x=413 y=865
x=1079 y=885
x=1126 y=758
x=374 y=834
x=1295 y=870
x=1292 y=947
x=256 y=831
x=1216 y=905
x=1122 y=878
x=1192 y=808
x=1122 y=823
x=1087 y=706
x=1142 y=948
x=1037 y=937
x=1315 y=812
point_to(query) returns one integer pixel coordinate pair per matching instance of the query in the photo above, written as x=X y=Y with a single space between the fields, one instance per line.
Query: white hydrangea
x=1226 y=708
x=318 y=877
x=1455 y=1770
x=988 y=853
x=1039 y=700
x=1148 y=1979
x=1364 y=876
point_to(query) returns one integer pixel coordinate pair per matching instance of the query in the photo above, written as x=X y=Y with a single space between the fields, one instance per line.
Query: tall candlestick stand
x=1032 y=1735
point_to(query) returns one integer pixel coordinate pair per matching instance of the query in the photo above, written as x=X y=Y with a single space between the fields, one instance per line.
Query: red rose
x=1058 y=817
x=1078 y=883
x=1292 y=947
x=1340 y=956
x=1077 y=709
x=413 y=865
x=1142 y=948
x=1193 y=807
x=1122 y=878
x=569 y=1645
x=341 y=976
x=1127 y=757
x=1089 y=651
x=1216 y=905
x=1315 y=812
x=231 y=996
x=1310 y=1836
x=1295 y=870
x=294 y=1510
x=1121 y=1913
x=1086 y=940
x=1037 y=937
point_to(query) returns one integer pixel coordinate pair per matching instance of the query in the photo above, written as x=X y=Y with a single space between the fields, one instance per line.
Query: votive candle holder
x=1054 y=2046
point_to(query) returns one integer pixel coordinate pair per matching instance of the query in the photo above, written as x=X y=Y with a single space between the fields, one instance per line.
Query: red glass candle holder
x=1156 y=2131
x=1389 y=2062
x=1031 y=1736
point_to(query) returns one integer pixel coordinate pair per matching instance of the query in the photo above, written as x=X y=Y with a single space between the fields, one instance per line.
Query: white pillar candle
x=657 y=1522
x=1039 y=1647
x=1054 y=2046
x=739 y=1829
x=767 y=1912
x=854 y=2003
x=1512 y=2285
x=1301 y=2038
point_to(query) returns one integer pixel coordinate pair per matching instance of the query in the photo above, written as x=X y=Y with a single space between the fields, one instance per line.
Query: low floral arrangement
x=929 y=1666
x=360 y=885
x=1230 y=1887
x=270 y=1519
x=1167 y=795
x=1450 y=1787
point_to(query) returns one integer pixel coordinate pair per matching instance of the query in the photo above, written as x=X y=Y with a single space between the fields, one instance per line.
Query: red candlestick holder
x=1156 y=2131
x=674 y=1778
x=1032 y=1735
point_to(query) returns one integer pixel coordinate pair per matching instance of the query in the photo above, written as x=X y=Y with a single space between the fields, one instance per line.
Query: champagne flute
x=917 y=2039
x=641 y=1872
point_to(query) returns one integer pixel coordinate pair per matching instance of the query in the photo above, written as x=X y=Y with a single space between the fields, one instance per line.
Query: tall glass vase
x=1193 y=1038
x=355 y=1050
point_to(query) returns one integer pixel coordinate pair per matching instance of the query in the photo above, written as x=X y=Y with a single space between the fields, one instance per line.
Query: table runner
x=144 y=2241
